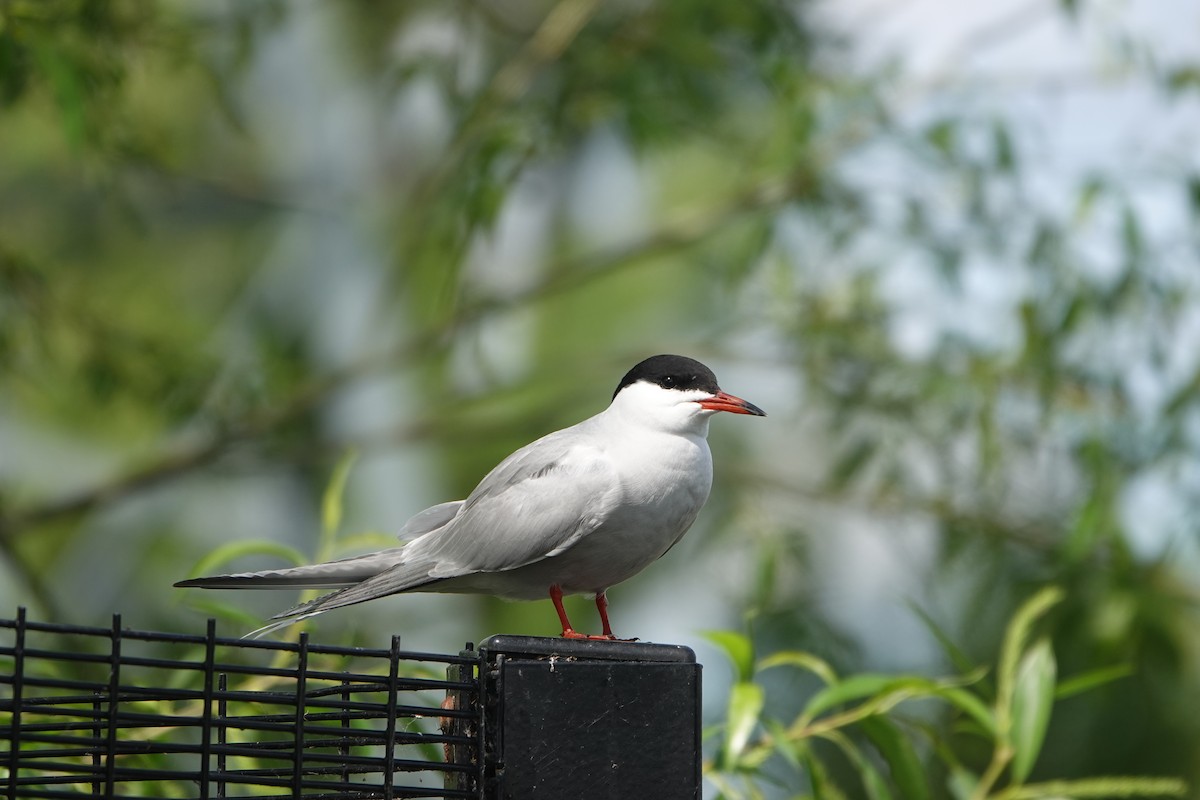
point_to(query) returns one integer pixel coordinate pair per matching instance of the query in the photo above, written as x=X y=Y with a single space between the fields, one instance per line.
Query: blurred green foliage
x=238 y=240
x=1011 y=717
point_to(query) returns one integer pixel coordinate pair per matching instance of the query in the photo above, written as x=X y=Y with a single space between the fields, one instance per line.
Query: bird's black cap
x=671 y=372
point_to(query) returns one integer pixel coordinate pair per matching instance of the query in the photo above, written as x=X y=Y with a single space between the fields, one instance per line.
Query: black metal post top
x=542 y=647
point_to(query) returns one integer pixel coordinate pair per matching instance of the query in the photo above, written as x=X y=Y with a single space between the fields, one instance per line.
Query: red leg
x=602 y=607
x=568 y=632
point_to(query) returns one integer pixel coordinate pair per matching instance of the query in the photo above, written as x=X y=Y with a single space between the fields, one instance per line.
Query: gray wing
x=537 y=503
x=429 y=520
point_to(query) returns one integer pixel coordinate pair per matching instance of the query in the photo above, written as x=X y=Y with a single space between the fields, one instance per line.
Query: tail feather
x=400 y=578
x=356 y=579
x=277 y=625
x=309 y=607
x=293 y=615
x=330 y=575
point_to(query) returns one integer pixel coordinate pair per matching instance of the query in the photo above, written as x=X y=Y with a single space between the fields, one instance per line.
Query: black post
x=590 y=720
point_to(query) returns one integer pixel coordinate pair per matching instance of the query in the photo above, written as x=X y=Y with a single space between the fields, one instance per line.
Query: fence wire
x=101 y=712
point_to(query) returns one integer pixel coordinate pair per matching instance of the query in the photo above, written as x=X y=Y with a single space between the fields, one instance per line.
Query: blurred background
x=950 y=248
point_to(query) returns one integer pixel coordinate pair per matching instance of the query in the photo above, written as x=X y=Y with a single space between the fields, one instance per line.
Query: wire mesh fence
x=102 y=712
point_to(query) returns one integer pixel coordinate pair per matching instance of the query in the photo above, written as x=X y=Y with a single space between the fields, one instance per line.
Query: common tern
x=575 y=512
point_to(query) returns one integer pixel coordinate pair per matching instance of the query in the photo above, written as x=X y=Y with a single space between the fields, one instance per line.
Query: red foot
x=570 y=634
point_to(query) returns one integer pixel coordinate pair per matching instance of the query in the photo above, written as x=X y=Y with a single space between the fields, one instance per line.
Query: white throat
x=647 y=406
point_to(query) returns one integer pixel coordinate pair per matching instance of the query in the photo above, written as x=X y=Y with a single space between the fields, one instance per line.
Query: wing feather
x=535 y=504
x=429 y=520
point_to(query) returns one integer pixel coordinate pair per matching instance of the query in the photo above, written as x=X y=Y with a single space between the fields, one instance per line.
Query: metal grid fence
x=100 y=712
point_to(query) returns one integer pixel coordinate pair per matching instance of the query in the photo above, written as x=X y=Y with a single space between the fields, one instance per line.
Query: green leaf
x=970 y=704
x=958 y=658
x=1131 y=235
x=873 y=782
x=883 y=692
x=766 y=571
x=854 y=687
x=234 y=550
x=1005 y=157
x=69 y=89
x=1071 y=317
x=1193 y=195
x=1033 y=698
x=1182 y=78
x=1091 y=679
x=1045 y=248
x=851 y=462
x=942 y=136
x=801 y=660
x=901 y=757
x=1185 y=395
x=745 y=706
x=1013 y=649
x=739 y=648
x=1091 y=190
x=791 y=749
x=1110 y=786
x=962 y=783
x=823 y=786
x=221 y=610
x=725 y=790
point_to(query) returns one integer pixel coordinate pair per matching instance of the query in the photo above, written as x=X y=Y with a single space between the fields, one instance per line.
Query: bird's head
x=675 y=393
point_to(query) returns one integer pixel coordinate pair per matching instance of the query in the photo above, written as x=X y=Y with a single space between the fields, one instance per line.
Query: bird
x=575 y=512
